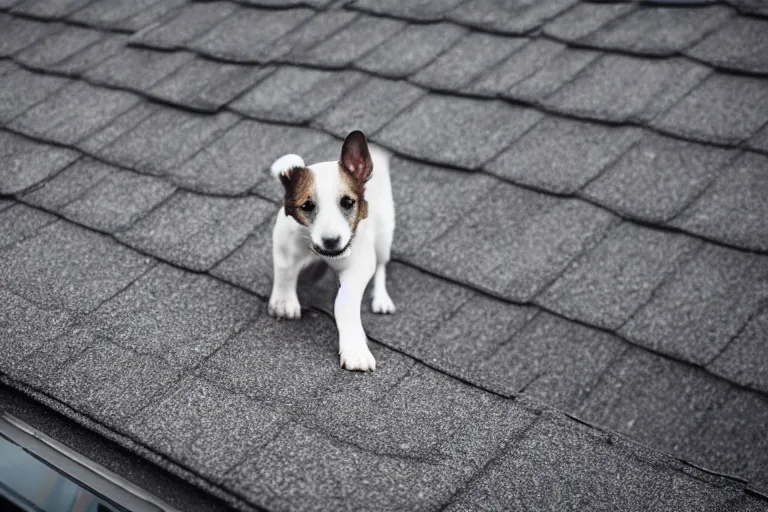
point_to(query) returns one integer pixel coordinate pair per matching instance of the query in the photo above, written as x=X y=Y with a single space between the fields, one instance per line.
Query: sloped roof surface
x=580 y=263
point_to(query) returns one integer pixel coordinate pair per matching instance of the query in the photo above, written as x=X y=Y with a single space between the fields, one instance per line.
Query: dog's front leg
x=354 y=353
x=287 y=258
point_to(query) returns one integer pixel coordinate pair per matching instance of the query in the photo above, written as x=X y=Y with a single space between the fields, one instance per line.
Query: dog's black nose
x=331 y=244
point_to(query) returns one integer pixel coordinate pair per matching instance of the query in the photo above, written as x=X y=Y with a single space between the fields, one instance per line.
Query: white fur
x=366 y=257
x=285 y=162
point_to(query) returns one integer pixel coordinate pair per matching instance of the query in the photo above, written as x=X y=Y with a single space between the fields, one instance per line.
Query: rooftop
x=581 y=256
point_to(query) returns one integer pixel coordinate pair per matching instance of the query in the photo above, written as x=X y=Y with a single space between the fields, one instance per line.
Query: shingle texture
x=580 y=259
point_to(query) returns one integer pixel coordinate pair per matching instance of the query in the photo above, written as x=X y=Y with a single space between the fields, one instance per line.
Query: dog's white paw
x=357 y=357
x=382 y=304
x=284 y=307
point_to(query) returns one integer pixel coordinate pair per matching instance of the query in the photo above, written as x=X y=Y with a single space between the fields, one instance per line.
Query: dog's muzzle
x=341 y=253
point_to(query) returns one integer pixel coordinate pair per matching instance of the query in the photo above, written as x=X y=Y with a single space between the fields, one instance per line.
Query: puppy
x=342 y=213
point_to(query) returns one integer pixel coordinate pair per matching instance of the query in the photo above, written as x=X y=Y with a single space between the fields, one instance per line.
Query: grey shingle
x=241 y=157
x=334 y=475
x=618 y=276
x=509 y=16
x=112 y=383
x=760 y=140
x=562 y=155
x=432 y=10
x=750 y=6
x=145 y=17
x=740 y=44
x=20 y=90
x=20 y=221
x=248 y=34
x=412 y=49
x=532 y=57
x=745 y=358
x=49 y=10
x=25 y=327
x=733 y=438
x=19 y=33
x=68 y=267
x=292 y=372
x=460 y=337
x=320 y=27
x=435 y=418
x=121 y=125
x=203 y=426
x=58 y=46
x=474 y=332
x=516 y=241
x=733 y=209
x=585 y=18
x=114 y=13
x=24 y=163
x=458 y=131
x=73 y=112
x=658 y=177
x=184 y=24
x=368 y=107
x=551 y=74
x=552 y=359
x=699 y=309
x=351 y=42
x=175 y=315
x=117 y=200
x=250 y=266
x=295 y=95
x=43 y=366
x=107 y=46
x=414 y=462
x=347 y=394
x=620 y=88
x=287 y=3
x=658 y=30
x=68 y=185
x=471 y=56
x=725 y=108
x=425 y=303
x=562 y=465
x=656 y=400
x=166 y=139
x=207 y=85
x=137 y=68
x=195 y=231
x=7 y=66
x=328 y=151
x=420 y=223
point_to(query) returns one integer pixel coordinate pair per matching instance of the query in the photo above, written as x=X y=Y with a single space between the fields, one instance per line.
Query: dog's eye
x=307 y=206
x=347 y=202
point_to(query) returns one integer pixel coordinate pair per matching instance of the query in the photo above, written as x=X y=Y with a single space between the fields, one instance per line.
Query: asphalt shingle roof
x=580 y=263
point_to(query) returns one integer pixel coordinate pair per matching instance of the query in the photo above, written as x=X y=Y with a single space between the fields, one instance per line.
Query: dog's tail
x=285 y=162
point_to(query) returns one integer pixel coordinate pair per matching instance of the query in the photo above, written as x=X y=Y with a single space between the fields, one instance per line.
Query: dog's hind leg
x=382 y=303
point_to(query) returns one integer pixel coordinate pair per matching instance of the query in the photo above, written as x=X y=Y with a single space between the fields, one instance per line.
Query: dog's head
x=329 y=198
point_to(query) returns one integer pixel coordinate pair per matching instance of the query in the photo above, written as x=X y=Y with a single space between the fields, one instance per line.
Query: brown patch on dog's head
x=299 y=186
x=356 y=168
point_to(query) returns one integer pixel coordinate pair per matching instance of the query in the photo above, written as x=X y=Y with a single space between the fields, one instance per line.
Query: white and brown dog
x=342 y=213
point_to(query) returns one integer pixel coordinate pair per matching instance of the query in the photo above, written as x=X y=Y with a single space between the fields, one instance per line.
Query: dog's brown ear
x=285 y=176
x=355 y=157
